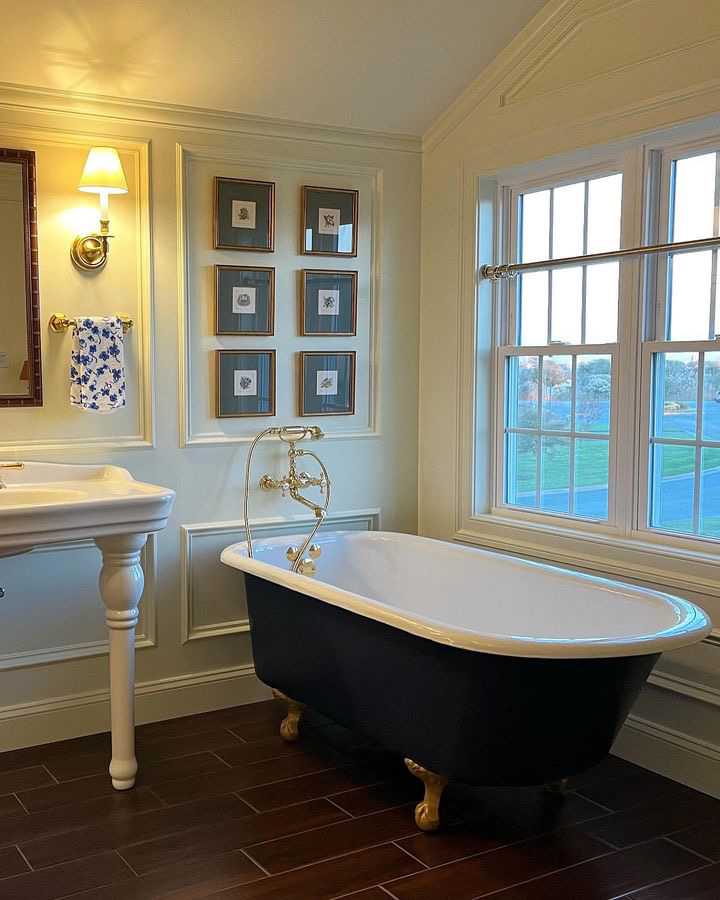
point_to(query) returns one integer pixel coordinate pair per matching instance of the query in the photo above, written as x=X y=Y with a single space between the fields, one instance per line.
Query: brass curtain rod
x=510 y=270
x=59 y=323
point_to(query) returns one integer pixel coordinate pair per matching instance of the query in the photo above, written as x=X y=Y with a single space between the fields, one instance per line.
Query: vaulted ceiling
x=383 y=65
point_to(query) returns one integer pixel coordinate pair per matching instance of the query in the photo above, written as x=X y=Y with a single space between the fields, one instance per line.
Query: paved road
x=676 y=500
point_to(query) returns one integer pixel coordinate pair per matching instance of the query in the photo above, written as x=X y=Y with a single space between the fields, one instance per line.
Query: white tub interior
x=481 y=600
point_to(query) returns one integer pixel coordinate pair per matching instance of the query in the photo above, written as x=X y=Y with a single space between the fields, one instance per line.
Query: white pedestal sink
x=47 y=503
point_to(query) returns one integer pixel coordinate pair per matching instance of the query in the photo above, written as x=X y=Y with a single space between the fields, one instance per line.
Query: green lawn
x=592 y=468
x=591 y=463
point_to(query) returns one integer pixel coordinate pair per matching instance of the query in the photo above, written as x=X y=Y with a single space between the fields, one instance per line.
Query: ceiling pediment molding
x=546 y=76
x=568 y=54
x=508 y=65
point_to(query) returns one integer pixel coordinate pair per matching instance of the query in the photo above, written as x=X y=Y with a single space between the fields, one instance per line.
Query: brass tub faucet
x=292 y=483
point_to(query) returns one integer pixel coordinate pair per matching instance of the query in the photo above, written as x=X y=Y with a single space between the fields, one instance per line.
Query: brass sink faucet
x=10 y=465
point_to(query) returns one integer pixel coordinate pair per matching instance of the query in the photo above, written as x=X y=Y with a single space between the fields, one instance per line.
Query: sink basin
x=22 y=496
x=45 y=503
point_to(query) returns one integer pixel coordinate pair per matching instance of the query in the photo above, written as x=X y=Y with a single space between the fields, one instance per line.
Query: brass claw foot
x=427 y=816
x=557 y=787
x=289 y=725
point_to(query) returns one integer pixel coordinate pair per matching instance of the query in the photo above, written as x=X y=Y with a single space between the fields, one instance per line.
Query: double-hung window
x=608 y=373
x=558 y=368
x=682 y=364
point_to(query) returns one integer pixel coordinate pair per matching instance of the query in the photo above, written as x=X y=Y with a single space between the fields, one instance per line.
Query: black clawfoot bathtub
x=474 y=666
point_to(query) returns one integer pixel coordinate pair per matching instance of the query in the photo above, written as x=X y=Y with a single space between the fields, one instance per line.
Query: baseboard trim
x=671 y=753
x=41 y=721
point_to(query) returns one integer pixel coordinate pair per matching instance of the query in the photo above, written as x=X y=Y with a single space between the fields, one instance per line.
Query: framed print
x=327 y=383
x=245 y=383
x=244 y=300
x=329 y=221
x=244 y=214
x=328 y=302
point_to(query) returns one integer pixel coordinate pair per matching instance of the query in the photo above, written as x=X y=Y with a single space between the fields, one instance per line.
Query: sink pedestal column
x=121 y=586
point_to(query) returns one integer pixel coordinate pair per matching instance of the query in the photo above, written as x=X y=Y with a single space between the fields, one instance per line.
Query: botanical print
x=97 y=370
x=328 y=220
x=327 y=382
x=329 y=302
x=245 y=382
x=243 y=300
x=243 y=213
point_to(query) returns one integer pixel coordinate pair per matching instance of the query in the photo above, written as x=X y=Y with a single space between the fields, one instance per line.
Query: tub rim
x=693 y=628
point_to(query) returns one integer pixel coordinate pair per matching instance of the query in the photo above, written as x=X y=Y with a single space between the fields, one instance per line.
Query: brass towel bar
x=60 y=323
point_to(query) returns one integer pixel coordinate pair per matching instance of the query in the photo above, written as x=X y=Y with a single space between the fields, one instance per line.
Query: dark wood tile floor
x=223 y=806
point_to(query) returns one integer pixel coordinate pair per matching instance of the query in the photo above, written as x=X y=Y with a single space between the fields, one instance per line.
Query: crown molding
x=27 y=98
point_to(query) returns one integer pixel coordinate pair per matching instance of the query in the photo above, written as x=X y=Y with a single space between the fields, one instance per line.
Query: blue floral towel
x=97 y=371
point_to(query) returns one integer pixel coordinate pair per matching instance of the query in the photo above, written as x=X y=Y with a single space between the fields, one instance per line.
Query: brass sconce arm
x=90 y=252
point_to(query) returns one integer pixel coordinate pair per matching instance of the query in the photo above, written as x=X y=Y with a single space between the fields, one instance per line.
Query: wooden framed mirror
x=20 y=360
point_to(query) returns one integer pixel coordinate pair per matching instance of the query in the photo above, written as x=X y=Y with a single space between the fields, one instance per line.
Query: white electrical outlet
x=4 y=359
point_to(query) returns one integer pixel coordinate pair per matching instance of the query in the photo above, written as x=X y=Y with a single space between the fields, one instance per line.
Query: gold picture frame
x=303 y=406
x=222 y=230
x=220 y=314
x=323 y=244
x=330 y=273
x=220 y=355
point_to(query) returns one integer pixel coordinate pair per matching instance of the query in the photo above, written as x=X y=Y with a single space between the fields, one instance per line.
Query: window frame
x=661 y=158
x=548 y=175
x=645 y=211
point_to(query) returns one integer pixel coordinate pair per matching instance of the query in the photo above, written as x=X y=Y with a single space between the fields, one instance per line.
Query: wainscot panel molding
x=194 y=242
x=60 y=690
x=205 y=575
x=60 y=156
x=145 y=629
x=37 y=722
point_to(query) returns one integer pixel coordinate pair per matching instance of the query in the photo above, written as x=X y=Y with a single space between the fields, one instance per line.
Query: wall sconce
x=103 y=174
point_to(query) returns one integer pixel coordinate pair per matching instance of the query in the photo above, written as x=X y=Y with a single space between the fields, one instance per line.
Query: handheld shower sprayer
x=292 y=483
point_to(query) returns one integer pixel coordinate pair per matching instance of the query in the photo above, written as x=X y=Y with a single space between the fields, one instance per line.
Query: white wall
x=194 y=650
x=583 y=73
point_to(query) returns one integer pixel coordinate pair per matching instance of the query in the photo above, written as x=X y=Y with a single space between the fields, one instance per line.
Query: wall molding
x=675 y=754
x=686 y=687
x=185 y=153
x=261 y=528
x=143 y=333
x=58 y=718
x=672 y=753
x=145 y=631
x=27 y=98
